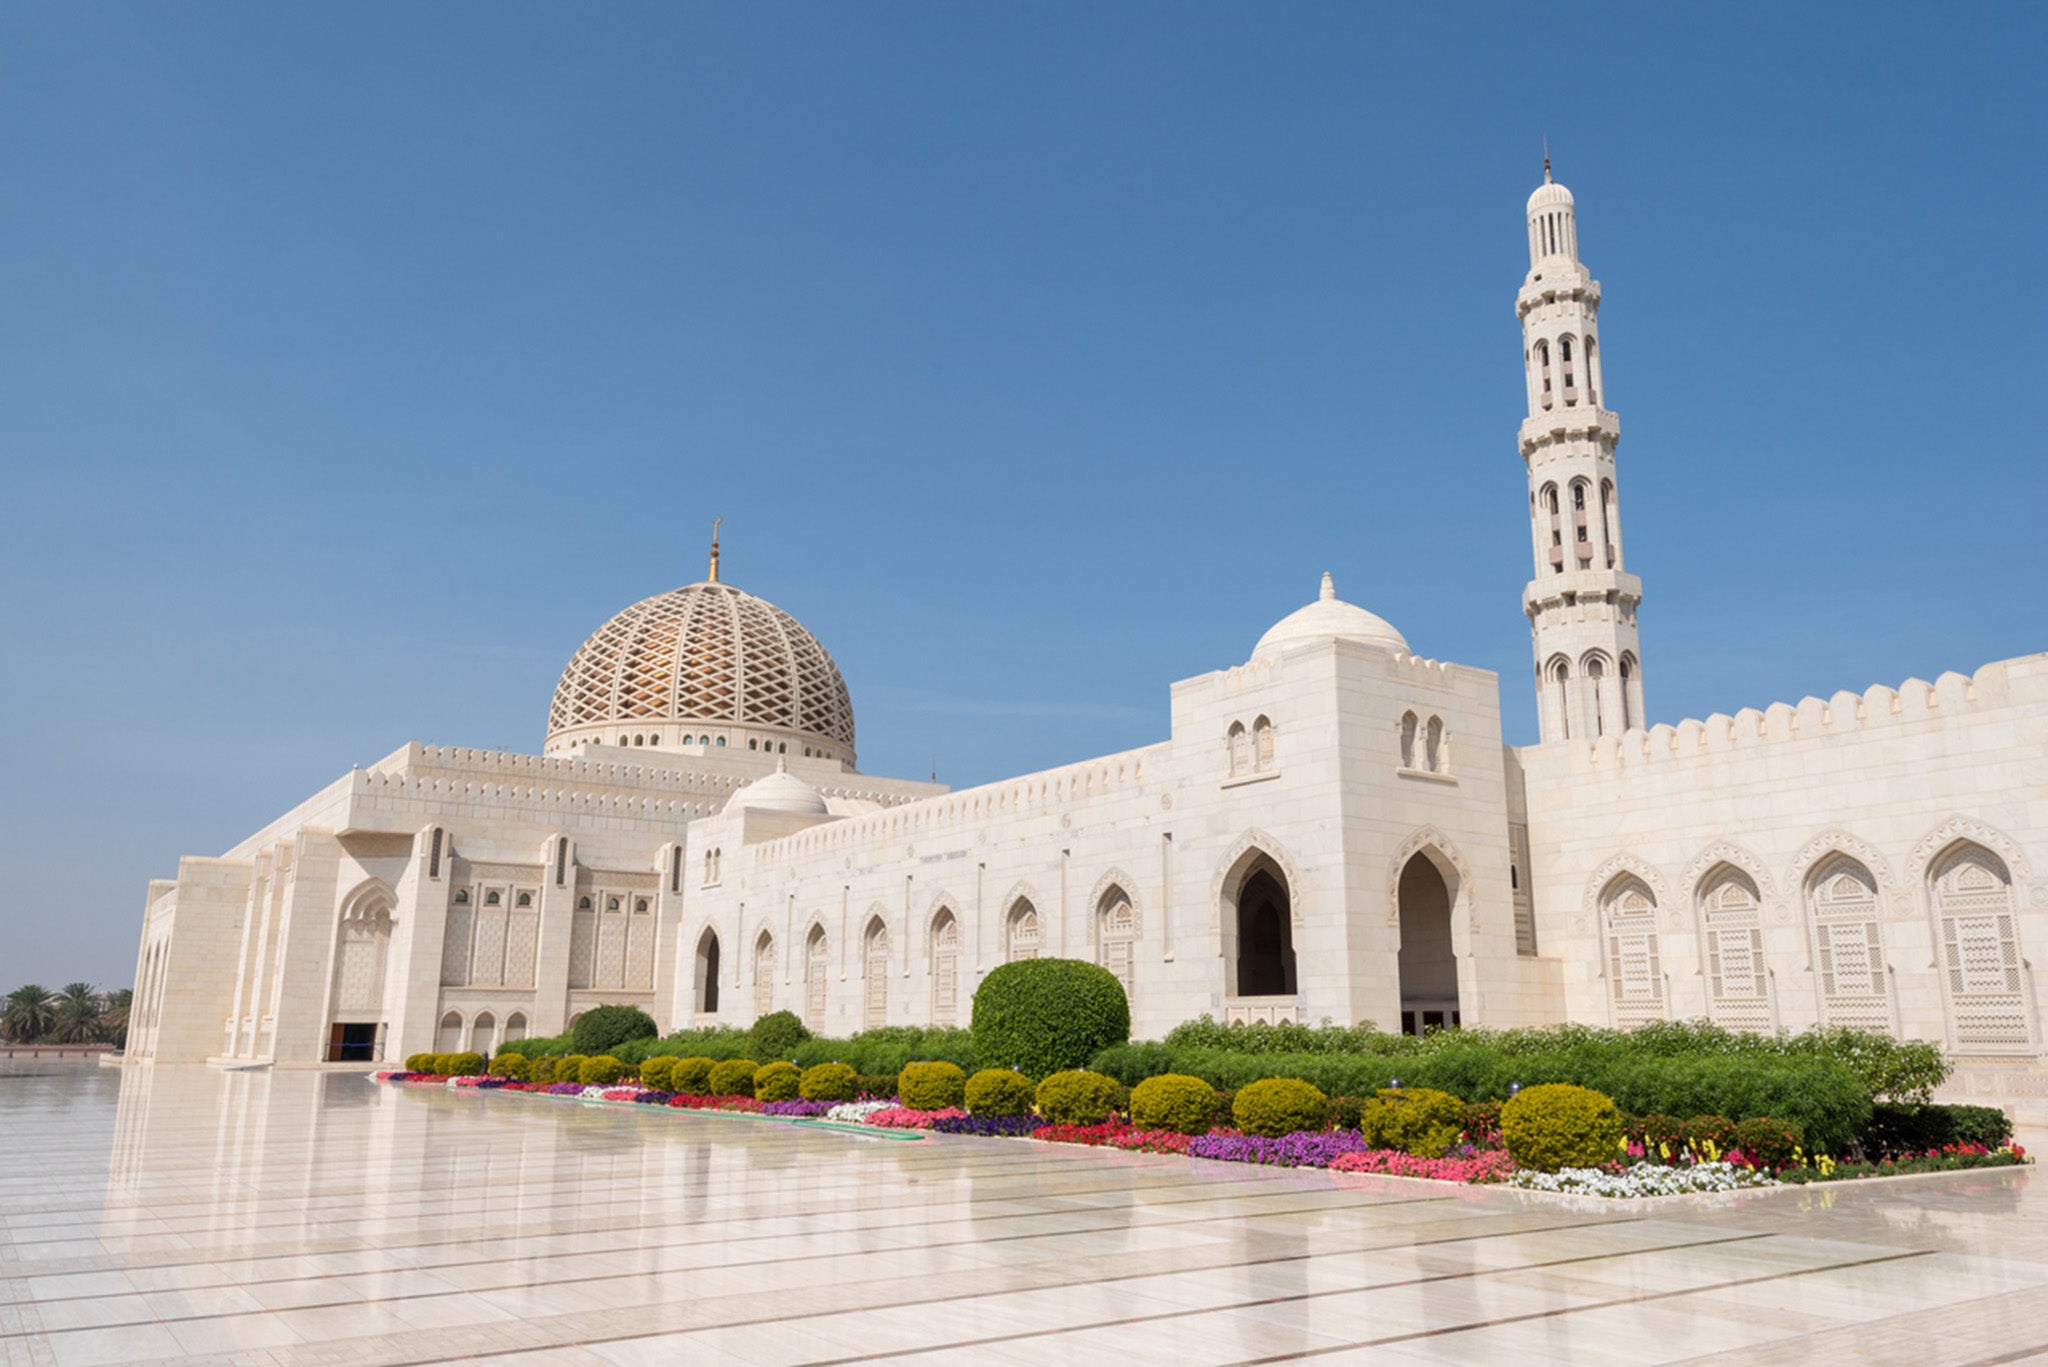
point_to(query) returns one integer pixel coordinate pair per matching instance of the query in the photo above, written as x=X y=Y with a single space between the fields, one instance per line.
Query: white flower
x=1642 y=1179
x=856 y=1112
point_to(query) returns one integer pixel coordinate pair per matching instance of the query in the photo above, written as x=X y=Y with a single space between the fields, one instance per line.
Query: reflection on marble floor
x=316 y=1218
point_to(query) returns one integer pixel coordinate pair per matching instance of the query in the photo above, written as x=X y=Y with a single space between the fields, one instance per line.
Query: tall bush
x=602 y=1029
x=1044 y=1016
x=1557 y=1125
x=775 y=1037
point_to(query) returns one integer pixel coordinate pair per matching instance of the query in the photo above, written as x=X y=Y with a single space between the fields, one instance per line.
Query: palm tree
x=29 y=1013
x=114 y=1016
x=77 y=1015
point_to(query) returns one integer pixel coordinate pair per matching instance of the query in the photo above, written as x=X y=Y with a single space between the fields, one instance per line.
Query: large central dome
x=706 y=664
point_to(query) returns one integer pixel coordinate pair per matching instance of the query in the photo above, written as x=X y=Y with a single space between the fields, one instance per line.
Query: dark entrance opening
x=1429 y=968
x=1265 y=938
x=352 y=1043
x=707 y=973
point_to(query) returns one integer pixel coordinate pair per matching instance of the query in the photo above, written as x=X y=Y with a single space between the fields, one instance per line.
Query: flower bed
x=1477 y=1165
x=1655 y=1156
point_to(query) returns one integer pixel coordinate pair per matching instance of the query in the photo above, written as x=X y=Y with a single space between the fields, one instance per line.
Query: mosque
x=1332 y=828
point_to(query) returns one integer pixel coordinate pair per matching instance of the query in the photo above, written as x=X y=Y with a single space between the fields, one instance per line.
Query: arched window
x=1607 y=521
x=483 y=1035
x=515 y=1026
x=1848 y=949
x=1564 y=352
x=1629 y=716
x=1116 y=936
x=1433 y=745
x=720 y=743
x=1731 y=926
x=945 y=968
x=1628 y=913
x=875 y=975
x=462 y=897
x=448 y=1040
x=1022 y=928
x=764 y=974
x=1240 y=749
x=1596 y=675
x=1980 y=949
x=1593 y=371
x=1409 y=726
x=1548 y=497
x=1543 y=370
x=817 y=977
x=492 y=898
x=525 y=900
x=1561 y=697
x=1262 y=744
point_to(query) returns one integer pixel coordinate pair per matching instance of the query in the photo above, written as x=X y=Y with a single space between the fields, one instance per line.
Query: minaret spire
x=714 y=549
x=1582 y=602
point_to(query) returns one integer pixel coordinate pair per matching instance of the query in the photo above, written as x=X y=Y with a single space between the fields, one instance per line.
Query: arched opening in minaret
x=1543 y=368
x=1564 y=355
x=1627 y=681
x=1596 y=674
x=1428 y=962
x=1263 y=919
x=1561 y=697
x=705 y=977
x=1593 y=372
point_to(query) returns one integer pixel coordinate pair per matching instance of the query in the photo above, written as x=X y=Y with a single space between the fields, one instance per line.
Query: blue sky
x=359 y=360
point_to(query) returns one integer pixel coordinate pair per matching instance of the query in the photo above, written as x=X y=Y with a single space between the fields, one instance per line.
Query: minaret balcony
x=1569 y=423
x=1583 y=587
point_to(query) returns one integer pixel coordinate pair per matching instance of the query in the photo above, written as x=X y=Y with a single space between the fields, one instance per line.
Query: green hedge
x=1044 y=1016
x=1903 y=1070
x=889 y=1049
x=1823 y=1097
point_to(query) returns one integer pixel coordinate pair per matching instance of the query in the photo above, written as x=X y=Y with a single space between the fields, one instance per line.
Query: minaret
x=1582 y=602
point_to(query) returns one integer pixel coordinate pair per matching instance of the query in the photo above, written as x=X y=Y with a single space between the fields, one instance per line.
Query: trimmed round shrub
x=1173 y=1101
x=417 y=1063
x=1769 y=1143
x=465 y=1064
x=734 y=1077
x=1558 y=1125
x=826 y=1082
x=775 y=1036
x=654 y=1073
x=778 y=1082
x=1417 y=1120
x=511 y=1067
x=603 y=1028
x=1077 y=1097
x=692 y=1076
x=1279 y=1106
x=1044 y=1016
x=1000 y=1091
x=1717 y=1131
x=931 y=1086
x=601 y=1071
x=569 y=1068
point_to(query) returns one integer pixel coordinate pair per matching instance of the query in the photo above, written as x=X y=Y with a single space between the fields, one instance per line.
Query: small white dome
x=780 y=791
x=1329 y=618
x=1549 y=195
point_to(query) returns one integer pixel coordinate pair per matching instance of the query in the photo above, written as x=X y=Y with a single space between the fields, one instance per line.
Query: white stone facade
x=1334 y=828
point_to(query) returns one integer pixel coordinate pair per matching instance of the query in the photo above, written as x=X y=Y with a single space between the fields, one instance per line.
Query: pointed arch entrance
x=1258 y=921
x=704 y=984
x=1428 y=962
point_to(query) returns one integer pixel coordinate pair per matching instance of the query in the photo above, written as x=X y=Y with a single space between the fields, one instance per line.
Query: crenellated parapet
x=1951 y=696
x=1034 y=794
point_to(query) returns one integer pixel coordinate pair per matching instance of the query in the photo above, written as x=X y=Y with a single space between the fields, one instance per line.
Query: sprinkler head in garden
x=1514 y=1087
x=1394 y=1083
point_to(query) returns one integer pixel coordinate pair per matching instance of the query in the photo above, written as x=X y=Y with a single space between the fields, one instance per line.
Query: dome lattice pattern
x=706 y=652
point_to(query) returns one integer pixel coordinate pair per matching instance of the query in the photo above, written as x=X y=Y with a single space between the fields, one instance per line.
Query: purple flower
x=652 y=1098
x=796 y=1107
x=988 y=1125
x=1305 y=1149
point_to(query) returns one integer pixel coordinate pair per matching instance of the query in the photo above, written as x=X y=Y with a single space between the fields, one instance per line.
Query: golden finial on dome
x=714 y=549
x=1546 y=159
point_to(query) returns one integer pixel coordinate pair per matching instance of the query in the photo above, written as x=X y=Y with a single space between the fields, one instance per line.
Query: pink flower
x=1486 y=1165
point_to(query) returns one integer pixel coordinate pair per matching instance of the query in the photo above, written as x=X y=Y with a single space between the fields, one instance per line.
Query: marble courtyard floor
x=317 y=1218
